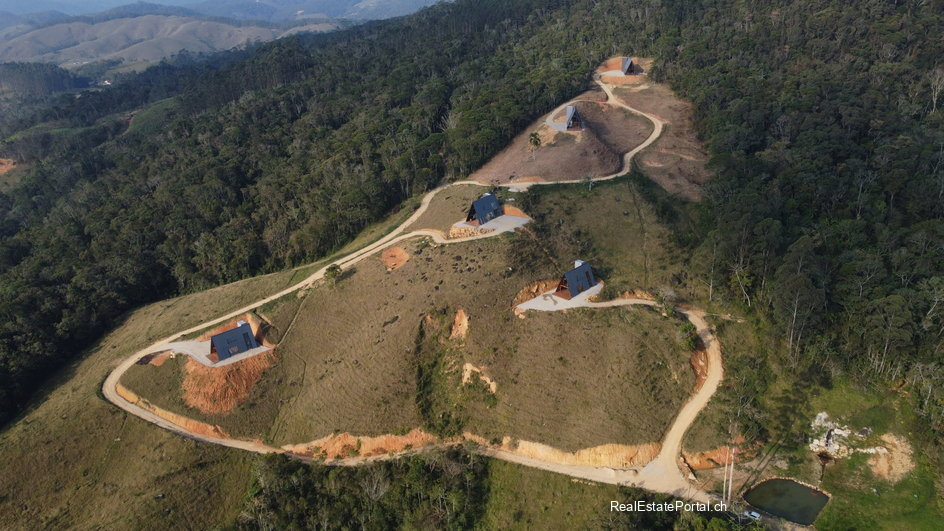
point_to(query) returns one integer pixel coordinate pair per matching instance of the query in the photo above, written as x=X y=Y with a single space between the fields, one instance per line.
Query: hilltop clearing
x=677 y=160
x=349 y=362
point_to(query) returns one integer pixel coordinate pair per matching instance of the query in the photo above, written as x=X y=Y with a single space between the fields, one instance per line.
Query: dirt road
x=660 y=475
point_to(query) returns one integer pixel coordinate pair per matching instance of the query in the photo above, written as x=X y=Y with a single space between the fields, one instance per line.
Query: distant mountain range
x=137 y=38
x=268 y=10
x=140 y=34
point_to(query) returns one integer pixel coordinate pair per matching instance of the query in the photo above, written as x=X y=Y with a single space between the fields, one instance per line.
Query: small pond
x=787 y=499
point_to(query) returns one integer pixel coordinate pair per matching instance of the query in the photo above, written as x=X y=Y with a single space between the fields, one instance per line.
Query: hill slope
x=146 y=39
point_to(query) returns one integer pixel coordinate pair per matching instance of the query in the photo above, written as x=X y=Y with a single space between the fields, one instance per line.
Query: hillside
x=137 y=40
x=793 y=194
x=281 y=10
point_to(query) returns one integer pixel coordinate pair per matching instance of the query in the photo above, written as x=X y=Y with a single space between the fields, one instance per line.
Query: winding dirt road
x=661 y=475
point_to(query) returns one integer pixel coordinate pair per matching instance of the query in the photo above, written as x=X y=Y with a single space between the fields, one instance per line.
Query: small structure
x=628 y=66
x=484 y=209
x=576 y=281
x=574 y=120
x=232 y=342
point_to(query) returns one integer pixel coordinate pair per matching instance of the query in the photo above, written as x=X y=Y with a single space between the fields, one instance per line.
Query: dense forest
x=824 y=120
x=445 y=489
x=36 y=80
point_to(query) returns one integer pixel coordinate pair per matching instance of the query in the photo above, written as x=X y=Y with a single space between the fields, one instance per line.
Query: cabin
x=576 y=281
x=628 y=66
x=484 y=209
x=232 y=342
x=574 y=120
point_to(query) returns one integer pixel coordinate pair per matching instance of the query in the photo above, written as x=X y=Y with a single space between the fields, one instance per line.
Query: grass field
x=859 y=498
x=73 y=460
x=570 y=380
x=449 y=206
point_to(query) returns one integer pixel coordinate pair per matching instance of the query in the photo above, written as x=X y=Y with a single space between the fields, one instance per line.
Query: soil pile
x=394 y=258
x=217 y=390
x=533 y=290
x=460 y=326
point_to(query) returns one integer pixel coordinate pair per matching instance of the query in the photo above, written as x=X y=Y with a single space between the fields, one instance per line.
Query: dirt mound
x=343 y=445
x=218 y=390
x=7 y=165
x=509 y=210
x=468 y=370
x=613 y=63
x=720 y=456
x=394 y=258
x=638 y=294
x=460 y=326
x=533 y=290
x=466 y=231
x=894 y=464
x=194 y=426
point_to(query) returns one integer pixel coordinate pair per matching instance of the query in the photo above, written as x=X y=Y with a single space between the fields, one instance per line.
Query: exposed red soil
x=699 y=363
x=638 y=294
x=720 y=456
x=394 y=258
x=6 y=165
x=218 y=390
x=160 y=358
x=608 y=455
x=460 y=326
x=533 y=290
x=193 y=426
x=509 y=210
x=343 y=445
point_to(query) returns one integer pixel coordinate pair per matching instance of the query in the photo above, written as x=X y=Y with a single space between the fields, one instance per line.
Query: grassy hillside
x=74 y=460
x=574 y=380
x=140 y=40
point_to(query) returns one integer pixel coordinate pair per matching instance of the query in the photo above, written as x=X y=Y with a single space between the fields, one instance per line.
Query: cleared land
x=348 y=362
x=10 y=174
x=596 y=150
x=677 y=160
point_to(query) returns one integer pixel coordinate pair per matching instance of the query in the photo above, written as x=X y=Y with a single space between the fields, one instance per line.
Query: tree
x=333 y=274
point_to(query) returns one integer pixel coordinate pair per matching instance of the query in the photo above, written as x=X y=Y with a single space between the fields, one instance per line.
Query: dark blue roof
x=580 y=279
x=627 y=63
x=486 y=208
x=571 y=114
x=235 y=341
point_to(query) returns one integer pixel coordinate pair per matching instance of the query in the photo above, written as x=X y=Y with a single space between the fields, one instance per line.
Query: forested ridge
x=823 y=119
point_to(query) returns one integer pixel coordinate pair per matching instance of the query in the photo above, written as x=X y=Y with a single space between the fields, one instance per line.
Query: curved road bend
x=660 y=475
